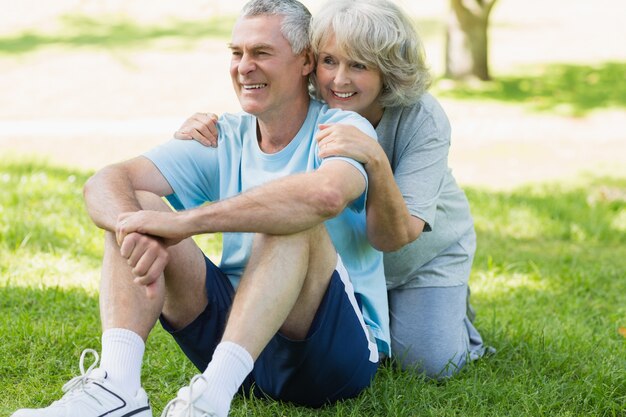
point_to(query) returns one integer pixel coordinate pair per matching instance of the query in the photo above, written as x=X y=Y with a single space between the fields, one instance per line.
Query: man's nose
x=246 y=64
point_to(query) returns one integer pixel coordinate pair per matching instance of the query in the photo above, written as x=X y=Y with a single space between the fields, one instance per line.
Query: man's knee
x=151 y=201
x=308 y=235
x=313 y=245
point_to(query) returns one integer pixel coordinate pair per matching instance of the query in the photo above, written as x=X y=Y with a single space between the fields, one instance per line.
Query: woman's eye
x=359 y=66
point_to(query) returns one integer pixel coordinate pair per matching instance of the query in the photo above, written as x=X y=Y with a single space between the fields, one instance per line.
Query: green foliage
x=548 y=285
x=112 y=31
x=117 y=31
x=563 y=88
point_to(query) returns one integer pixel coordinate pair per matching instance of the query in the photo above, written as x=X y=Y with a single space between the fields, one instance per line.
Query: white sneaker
x=92 y=395
x=189 y=402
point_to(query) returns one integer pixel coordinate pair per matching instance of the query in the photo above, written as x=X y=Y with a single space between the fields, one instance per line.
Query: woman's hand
x=348 y=141
x=201 y=127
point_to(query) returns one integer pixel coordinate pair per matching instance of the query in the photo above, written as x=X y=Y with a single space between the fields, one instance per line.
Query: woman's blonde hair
x=378 y=34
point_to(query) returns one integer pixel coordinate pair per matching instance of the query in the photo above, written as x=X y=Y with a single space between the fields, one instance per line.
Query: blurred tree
x=467 y=40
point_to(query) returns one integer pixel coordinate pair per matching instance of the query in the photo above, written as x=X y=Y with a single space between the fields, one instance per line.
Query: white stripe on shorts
x=345 y=278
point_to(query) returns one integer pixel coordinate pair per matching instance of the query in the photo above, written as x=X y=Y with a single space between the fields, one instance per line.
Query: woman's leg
x=430 y=330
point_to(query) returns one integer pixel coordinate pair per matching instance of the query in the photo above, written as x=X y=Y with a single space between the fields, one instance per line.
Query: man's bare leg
x=281 y=289
x=129 y=312
x=283 y=285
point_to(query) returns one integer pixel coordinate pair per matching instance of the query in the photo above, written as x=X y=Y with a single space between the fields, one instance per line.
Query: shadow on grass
x=562 y=88
x=41 y=319
x=44 y=331
x=114 y=32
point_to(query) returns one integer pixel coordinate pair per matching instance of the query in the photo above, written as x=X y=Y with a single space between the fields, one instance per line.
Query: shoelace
x=186 y=402
x=77 y=384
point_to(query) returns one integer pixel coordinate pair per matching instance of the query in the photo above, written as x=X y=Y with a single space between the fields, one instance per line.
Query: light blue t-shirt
x=200 y=174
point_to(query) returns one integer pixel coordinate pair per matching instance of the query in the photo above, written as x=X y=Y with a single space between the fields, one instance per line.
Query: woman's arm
x=389 y=223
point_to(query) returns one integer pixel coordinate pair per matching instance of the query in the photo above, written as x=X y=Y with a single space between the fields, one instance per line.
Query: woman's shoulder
x=425 y=114
x=426 y=107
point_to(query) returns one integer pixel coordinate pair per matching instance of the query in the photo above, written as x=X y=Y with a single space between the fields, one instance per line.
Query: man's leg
x=128 y=315
x=283 y=285
x=337 y=359
x=281 y=289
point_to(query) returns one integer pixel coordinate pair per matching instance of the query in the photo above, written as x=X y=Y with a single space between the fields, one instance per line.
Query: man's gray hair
x=296 y=21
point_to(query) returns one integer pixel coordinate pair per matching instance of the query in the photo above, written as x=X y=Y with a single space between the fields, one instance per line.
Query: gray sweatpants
x=431 y=327
x=431 y=331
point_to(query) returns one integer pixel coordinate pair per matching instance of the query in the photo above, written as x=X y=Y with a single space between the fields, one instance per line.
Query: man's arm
x=284 y=206
x=111 y=191
x=389 y=223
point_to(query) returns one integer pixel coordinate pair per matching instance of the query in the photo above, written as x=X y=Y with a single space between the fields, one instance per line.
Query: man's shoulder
x=336 y=115
x=234 y=119
x=234 y=127
x=329 y=116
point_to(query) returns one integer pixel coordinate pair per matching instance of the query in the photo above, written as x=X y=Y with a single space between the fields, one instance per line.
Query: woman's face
x=348 y=85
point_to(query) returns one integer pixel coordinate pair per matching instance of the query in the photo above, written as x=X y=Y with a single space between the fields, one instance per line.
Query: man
x=296 y=324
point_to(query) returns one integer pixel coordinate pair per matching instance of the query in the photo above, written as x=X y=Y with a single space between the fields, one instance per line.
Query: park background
x=540 y=151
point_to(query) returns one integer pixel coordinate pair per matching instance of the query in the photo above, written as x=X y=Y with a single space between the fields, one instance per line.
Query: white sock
x=122 y=356
x=229 y=367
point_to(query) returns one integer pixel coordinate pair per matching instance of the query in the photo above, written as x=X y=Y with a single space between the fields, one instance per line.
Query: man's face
x=266 y=75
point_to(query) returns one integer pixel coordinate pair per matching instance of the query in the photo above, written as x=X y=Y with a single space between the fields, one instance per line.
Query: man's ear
x=309 y=62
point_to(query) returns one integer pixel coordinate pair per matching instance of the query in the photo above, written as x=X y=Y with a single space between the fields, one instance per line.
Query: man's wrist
x=194 y=222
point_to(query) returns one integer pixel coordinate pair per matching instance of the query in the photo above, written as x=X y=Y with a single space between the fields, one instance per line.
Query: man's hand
x=169 y=227
x=147 y=256
x=201 y=127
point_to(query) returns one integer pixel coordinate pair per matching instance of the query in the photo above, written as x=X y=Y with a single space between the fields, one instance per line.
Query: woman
x=370 y=60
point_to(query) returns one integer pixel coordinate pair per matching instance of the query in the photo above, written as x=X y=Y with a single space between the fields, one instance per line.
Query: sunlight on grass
x=496 y=282
x=48 y=270
x=570 y=90
x=619 y=222
x=518 y=223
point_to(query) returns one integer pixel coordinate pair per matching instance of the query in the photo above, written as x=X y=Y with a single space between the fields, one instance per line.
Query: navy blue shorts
x=336 y=361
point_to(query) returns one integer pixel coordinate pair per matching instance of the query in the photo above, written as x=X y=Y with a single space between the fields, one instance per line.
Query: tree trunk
x=467 y=40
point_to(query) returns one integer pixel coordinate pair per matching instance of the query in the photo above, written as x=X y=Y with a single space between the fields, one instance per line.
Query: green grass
x=572 y=90
x=118 y=31
x=114 y=32
x=548 y=284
